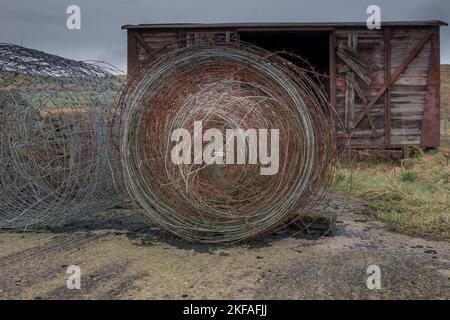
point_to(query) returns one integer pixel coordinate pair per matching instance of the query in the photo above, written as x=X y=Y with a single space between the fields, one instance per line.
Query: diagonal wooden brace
x=142 y=42
x=398 y=71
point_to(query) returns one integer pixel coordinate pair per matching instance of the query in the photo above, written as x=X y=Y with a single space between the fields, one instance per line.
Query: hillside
x=445 y=89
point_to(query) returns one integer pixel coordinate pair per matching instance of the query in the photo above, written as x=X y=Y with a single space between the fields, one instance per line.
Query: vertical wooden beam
x=431 y=116
x=387 y=80
x=180 y=36
x=349 y=106
x=132 y=53
x=332 y=54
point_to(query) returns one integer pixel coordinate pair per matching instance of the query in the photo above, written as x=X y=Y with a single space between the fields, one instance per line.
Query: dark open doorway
x=311 y=46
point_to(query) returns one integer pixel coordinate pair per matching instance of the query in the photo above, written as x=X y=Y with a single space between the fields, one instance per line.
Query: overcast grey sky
x=41 y=24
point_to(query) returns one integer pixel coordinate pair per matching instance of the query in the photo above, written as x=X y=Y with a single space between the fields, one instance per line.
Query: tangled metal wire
x=55 y=159
x=226 y=85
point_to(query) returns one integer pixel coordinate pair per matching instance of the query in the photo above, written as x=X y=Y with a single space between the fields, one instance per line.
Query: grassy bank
x=413 y=196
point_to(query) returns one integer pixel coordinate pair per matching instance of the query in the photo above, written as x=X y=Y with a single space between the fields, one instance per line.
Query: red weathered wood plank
x=332 y=44
x=132 y=53
x=387 y=80
x=430 y=133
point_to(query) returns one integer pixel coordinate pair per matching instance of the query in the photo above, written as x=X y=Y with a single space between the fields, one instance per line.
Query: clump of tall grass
x=413 y=196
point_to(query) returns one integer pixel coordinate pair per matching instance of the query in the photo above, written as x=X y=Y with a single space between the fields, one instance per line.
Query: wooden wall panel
x=408 y=92
x=370 y=45
x=404 y=99
x=156 y=41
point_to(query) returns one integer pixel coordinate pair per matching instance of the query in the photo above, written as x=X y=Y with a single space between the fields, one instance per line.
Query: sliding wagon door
x=385 y=88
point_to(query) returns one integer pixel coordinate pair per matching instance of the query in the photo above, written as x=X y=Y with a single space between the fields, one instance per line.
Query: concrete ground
x=122 y=258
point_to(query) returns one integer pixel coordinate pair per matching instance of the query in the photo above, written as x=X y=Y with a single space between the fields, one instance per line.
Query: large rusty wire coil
x=225 y=85
x=55 y=155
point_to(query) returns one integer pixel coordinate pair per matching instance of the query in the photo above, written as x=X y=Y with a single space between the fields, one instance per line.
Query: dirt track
x=122 y=258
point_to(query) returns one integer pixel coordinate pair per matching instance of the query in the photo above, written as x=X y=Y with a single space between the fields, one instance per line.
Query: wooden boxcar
x=384 y=84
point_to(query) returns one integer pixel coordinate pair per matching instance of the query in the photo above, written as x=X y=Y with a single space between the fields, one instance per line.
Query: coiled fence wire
x=55 y=155
x=226 y=85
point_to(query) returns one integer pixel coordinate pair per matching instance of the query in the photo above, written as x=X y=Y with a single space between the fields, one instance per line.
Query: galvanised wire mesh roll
x=55 y=154
x=225 y=85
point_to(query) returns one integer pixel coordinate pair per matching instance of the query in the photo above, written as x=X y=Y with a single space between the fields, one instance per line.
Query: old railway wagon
x=384 y=84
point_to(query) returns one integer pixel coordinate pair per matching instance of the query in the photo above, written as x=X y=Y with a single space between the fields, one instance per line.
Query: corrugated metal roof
x=280 y=25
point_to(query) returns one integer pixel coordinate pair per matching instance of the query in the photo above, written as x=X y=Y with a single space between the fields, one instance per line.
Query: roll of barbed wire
x=55 y=148
x=177 y=111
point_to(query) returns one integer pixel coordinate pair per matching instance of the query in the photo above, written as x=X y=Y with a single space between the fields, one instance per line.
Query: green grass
x=413 y=196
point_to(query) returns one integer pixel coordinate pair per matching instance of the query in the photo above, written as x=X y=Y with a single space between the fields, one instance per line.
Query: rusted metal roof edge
x=283 y=24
